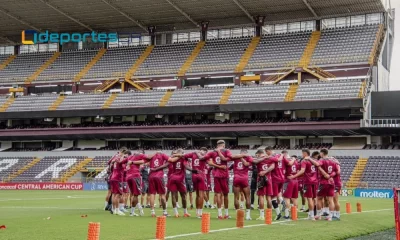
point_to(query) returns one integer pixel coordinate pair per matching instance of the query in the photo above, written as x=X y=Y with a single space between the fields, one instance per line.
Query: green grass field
x=25 y=215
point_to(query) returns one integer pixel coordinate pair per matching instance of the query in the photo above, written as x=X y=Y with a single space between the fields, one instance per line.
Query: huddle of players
x=279 y=180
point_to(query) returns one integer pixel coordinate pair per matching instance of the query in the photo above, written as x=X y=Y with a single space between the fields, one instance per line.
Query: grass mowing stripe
x=259 y=225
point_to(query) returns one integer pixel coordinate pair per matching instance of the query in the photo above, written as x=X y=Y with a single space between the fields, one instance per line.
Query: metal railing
x=381 y=123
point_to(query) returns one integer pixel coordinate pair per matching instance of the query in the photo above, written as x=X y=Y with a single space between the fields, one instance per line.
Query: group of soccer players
x=280 y=177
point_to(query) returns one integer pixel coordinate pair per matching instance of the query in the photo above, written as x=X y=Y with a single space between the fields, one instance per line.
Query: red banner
x=41 y=186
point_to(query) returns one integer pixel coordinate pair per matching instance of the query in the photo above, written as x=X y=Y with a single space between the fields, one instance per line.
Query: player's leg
x=152 y=193
x=173 y=198
x=236 y=193
x=225 y=191
x=108 y=195
x=246 y=194
x=261 y=195
x=275 y=204
x=191 y=199
x=309 y=196
x=336 y=215
x=242 y=200
x=325 y=207
x=252 y=197
x=184 y=204
x=303 y=200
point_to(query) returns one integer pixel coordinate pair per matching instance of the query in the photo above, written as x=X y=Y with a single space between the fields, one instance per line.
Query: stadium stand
x=382 y=172
x=195 y=96
x=32 y=103
x=347 y=164
x=9 y=166
x=49 y=169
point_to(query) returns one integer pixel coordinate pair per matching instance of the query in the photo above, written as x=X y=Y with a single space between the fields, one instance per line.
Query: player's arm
x=173 y=159
x=298 y=174
x=138 y=162
x=237 y=156
x=221 y=156
x=160 y=167
x=211 y=163
x=258 y=160
x=338 y=171
x=269 y=169
x=315 y=163
x=246 y=163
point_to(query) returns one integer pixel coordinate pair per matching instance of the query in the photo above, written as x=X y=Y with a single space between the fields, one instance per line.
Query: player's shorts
x=168 y=183
x=301 y=185
x=221 y=185
x=125 y=188
x=156 y=185
x=338 y=188
x=310 y=190
x=266 y=190
x=135 y=186
x=116 y=187
x=291 y=189
x=326 y=190
x=177 y=185
x=189 y=185
x=240 y=182
x=145 y=186
x=276 y=188
x=199 y=182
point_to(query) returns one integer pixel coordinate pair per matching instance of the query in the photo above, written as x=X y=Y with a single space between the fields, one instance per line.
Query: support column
x=259 y=21
x=9 y=123
x=152 y=34
x=204 y=29
x=16 y=50
x=318 y=25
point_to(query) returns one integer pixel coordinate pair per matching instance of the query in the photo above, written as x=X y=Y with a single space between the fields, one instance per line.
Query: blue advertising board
x=373 y=193
x=95 y=186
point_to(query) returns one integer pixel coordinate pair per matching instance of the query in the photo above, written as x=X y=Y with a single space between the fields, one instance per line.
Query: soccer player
x=125 y=190
x=220 y=157
x=158 y=162
x=264 y=182
x=310 y=181
x=278 y=178
x=189 y=185
x=108 y=201
x=338 y=187
x=169 y=173
x=327 y=168
x=291 y=186
x=177 y=181
x=208 y=188
x=144 y=172
x=241 y=180
x=134 y=180
x=253 y=185
x=116 y=182
x=199 y=179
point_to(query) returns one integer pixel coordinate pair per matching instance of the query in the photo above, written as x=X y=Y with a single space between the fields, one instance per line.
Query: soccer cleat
x=120 y=213
x=141 y=213
x=186 y=215
x=176 y=215
x=123 y=210
x=286 y=218
x=177 y=205
x=227 y=217
x=278 y=217
x=205 y=206
x=220 y=217
x=248 y=218
x=167 y=215
x=148 y=206
x=307 y=210
x=134 y=215
x=335 y=219
x=311 y=218
x=261 y=218
x=317 y=217
x=212 y=207
x=325 y=214
x=252 y=207
x=199 y=216
x=328 y=219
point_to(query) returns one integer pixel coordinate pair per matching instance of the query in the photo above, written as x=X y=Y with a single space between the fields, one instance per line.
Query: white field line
x=260 y=225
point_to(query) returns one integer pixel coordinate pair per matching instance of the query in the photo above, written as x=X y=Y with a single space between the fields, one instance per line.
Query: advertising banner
x=373 y=193
x=98 y=186
x=41 y=186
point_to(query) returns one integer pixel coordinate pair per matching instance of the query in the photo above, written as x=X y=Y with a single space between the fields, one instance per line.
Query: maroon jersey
x=219 y=173
x=197 y=164
x=239 y=169
x=329 y=167
x=292 y=170
x=134 y=169
x=170 y=170
x=278 y=174
x=156 y=161
x=310 y=174
x=179 y=169
x=264 y=165
x=118 y=170
x=337 y=179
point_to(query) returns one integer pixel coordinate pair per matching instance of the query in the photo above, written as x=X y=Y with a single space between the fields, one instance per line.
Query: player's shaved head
x=260 y=151
x=306 y=151
x=243 y=151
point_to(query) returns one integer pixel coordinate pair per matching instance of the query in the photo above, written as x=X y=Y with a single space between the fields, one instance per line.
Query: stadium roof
x=166 y=15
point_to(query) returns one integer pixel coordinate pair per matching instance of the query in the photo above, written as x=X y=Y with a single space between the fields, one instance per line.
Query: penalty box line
x=259 y=225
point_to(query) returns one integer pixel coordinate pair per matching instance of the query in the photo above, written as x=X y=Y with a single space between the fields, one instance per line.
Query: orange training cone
x=268 y=216
x=160 y=227
x=348 y=208
x=294 y=213
x=205 y=223
x=93 y=231
x=239 y=218
x=359 y=209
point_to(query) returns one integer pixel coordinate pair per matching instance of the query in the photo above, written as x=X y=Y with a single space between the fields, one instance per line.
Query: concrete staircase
x=191 y=58
x=22 y=170
x=247 y=54
x=88 y=66
x=7 y=104
x=164 y=100
x=57 y=103
x=109 y=100
x=225 y=95
x=309 y=50
x=45 y=65
x=72 y=171
x=7 y=61
x=139 y=61
x=357 y=173
x=291 y=93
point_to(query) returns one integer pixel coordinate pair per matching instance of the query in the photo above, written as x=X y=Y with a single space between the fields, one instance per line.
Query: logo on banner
x=374 y=193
